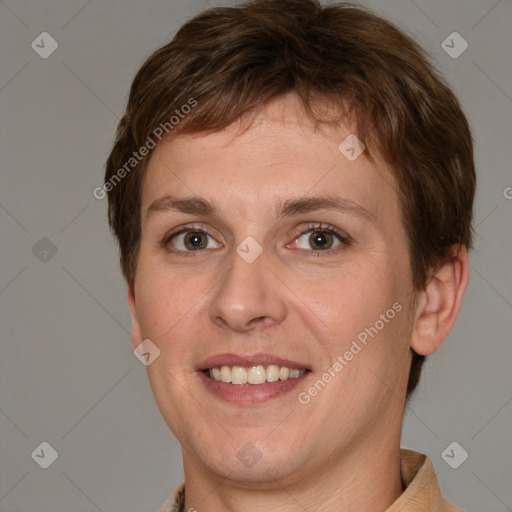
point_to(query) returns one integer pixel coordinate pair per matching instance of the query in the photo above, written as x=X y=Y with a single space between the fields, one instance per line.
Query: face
x=261 y=254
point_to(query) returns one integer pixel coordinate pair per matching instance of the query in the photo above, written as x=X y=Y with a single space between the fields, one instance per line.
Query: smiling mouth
x=257 y=374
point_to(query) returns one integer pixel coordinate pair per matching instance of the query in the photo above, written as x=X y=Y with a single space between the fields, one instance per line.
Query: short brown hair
x=229 y=62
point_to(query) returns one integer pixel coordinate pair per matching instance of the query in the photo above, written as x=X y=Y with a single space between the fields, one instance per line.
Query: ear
x=136 y=334
x=439 y=303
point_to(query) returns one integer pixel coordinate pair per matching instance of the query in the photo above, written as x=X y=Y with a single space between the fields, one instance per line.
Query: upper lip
x=229 y=359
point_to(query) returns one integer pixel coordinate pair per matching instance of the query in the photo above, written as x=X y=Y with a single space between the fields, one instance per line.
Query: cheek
x=348 y=302
x=362 y=317
x=163 y=299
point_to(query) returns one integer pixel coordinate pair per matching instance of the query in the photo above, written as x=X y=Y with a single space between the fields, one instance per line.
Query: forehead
x=280 y=156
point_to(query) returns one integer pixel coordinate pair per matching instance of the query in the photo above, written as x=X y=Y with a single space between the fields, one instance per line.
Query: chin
x=245 y=463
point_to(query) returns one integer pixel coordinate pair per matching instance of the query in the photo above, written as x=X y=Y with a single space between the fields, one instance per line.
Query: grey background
x=68 y=375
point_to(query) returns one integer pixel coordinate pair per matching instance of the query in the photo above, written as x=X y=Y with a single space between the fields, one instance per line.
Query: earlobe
x=439 y=303
x=136 y=334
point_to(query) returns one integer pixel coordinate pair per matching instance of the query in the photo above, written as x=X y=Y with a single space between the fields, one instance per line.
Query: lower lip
x=248 y=394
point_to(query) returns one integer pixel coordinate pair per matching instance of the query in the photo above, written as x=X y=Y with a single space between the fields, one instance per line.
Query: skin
x=340 y=451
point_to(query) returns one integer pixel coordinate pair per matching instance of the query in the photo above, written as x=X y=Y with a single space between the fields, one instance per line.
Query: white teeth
x=225 y=374
x=238 y=375
x=284 y=373
x=272 y=373
x=257 y=374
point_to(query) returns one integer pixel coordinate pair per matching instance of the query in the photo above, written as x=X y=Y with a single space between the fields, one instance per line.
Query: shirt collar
x=422 y=492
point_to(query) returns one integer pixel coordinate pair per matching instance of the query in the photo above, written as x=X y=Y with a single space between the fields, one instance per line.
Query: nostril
x=260 y=320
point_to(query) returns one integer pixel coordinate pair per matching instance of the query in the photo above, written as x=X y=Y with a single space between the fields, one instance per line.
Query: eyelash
x=323 y=228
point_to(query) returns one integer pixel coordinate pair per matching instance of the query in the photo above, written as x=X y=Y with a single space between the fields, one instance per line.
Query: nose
x=249 y=297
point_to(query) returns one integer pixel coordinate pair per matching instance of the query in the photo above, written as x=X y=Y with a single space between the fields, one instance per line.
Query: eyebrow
x=195 y=205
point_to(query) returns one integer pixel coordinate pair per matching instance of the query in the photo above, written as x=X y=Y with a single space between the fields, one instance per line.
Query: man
x=291 y=188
